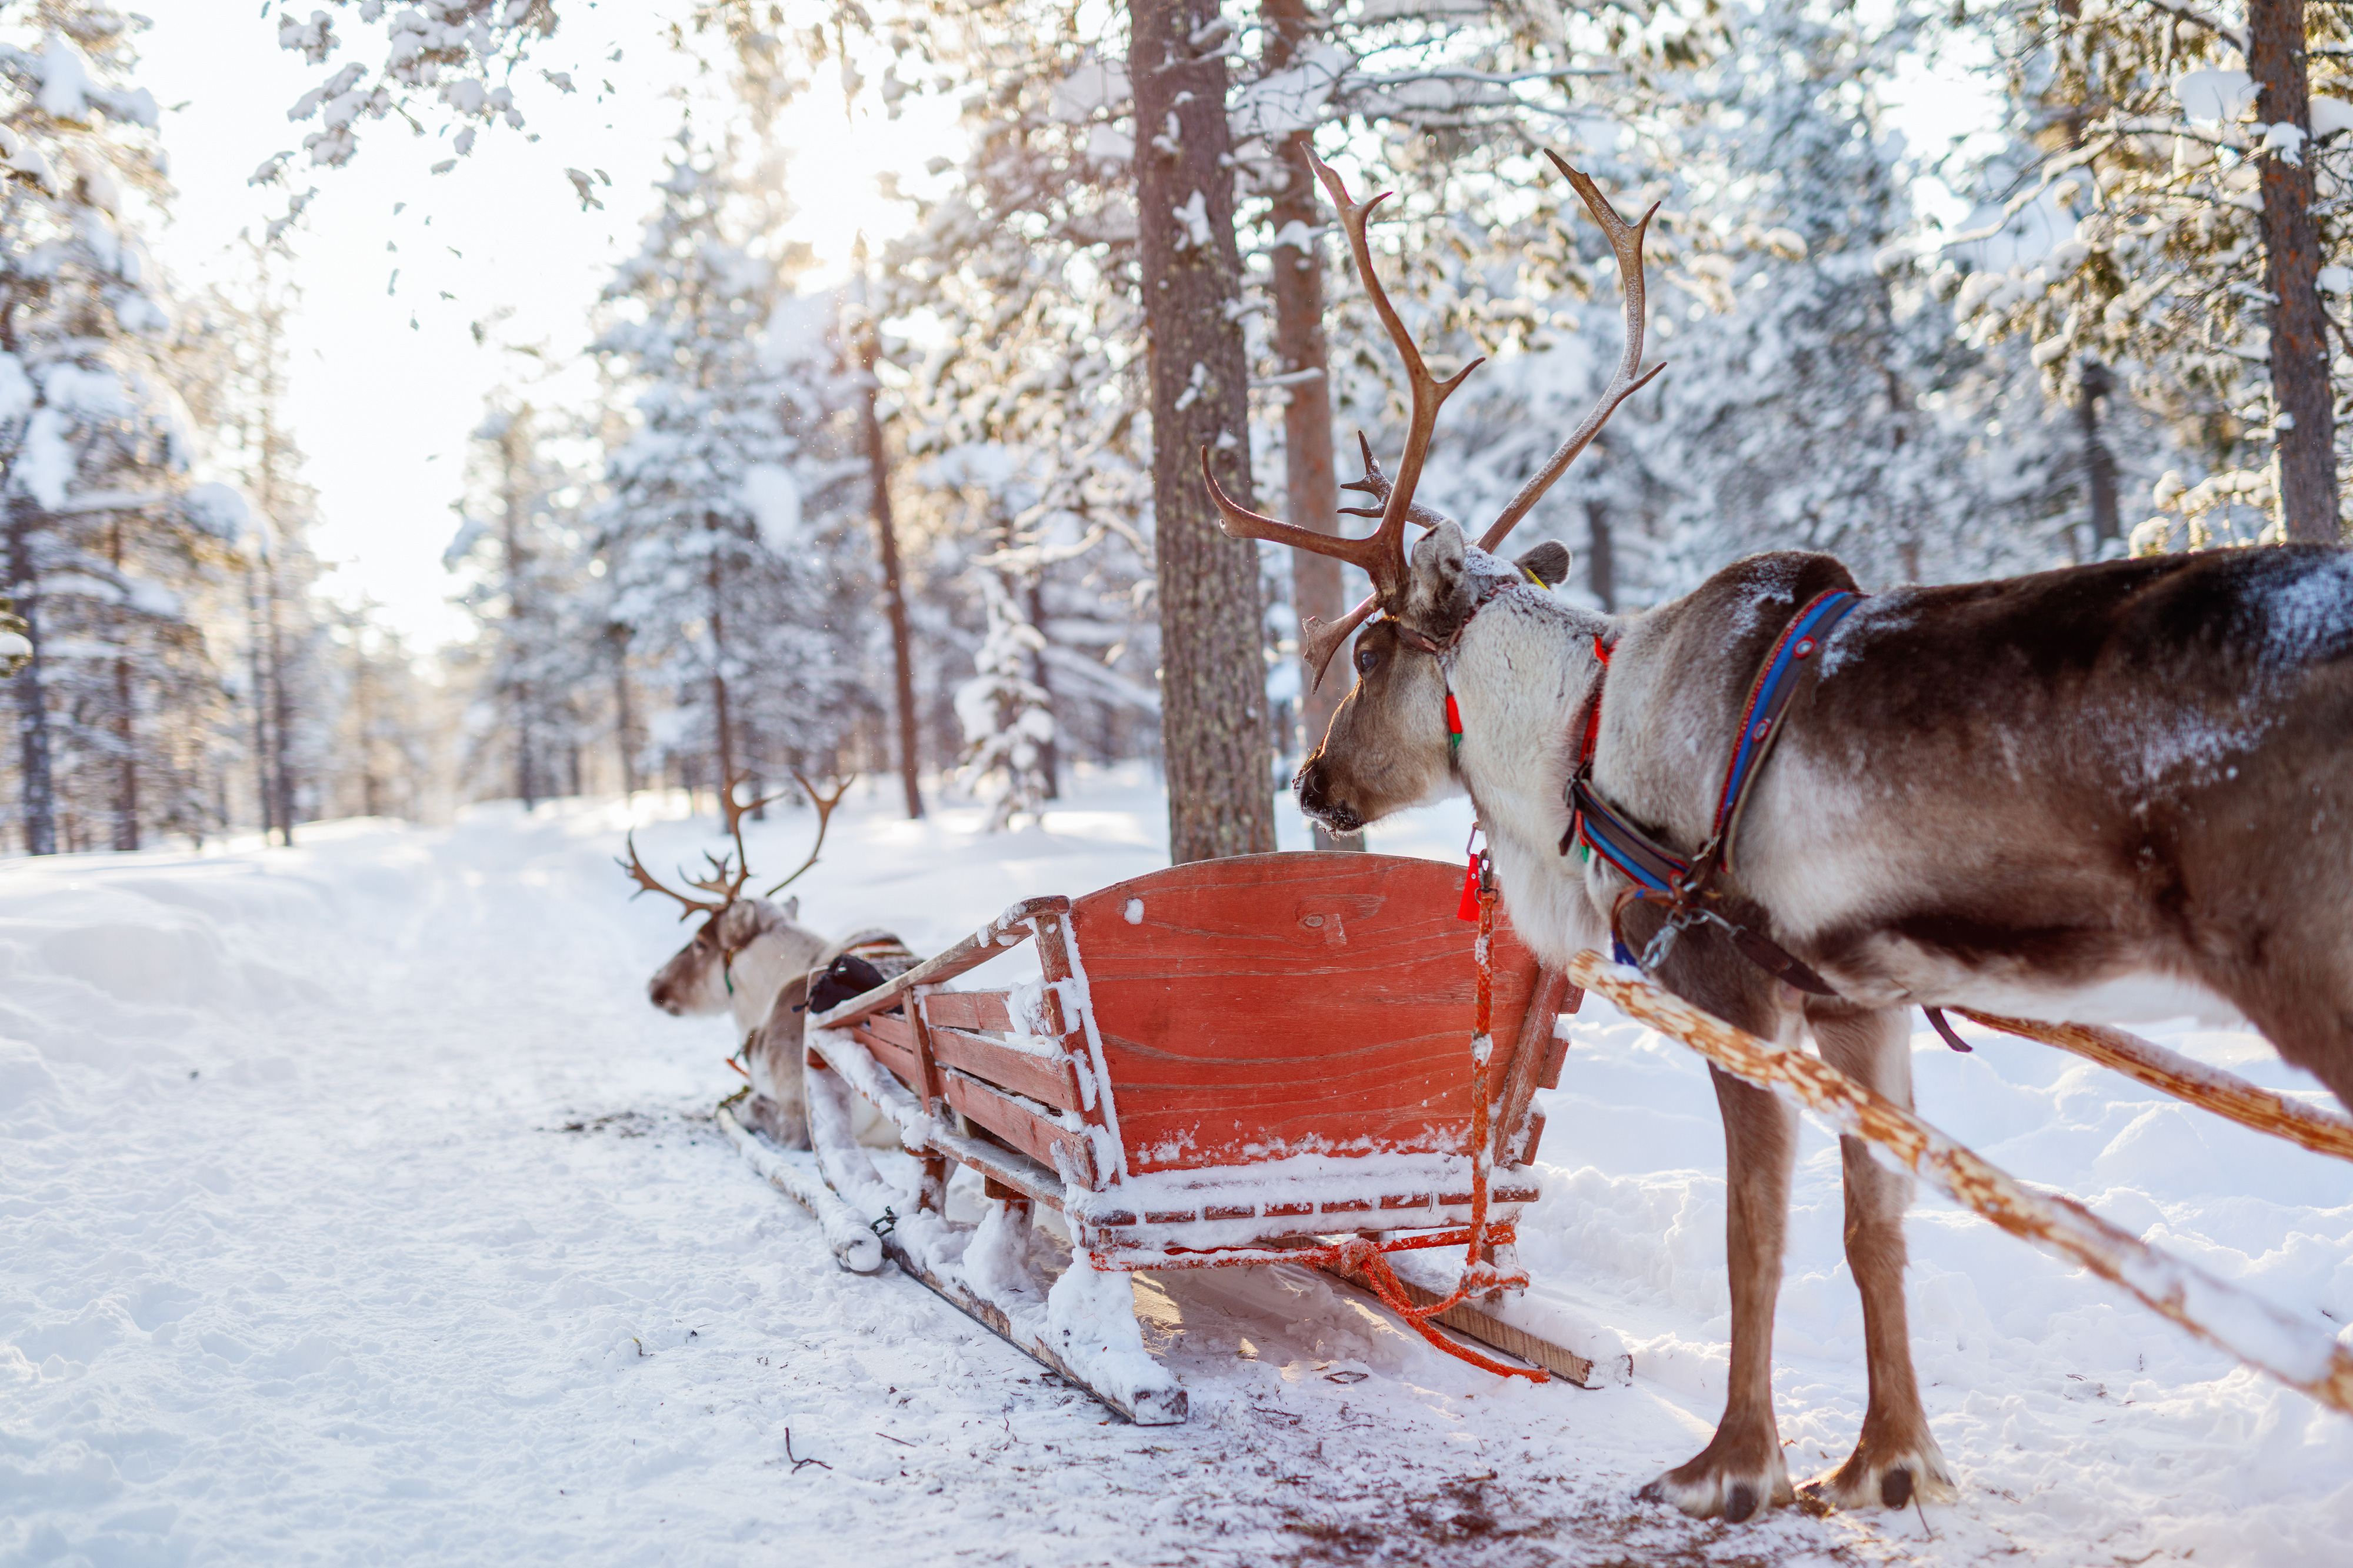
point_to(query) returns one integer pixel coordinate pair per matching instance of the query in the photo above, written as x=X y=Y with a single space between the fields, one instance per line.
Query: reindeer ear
x=1438 y=588
x=1548 y=563
x=792 y=908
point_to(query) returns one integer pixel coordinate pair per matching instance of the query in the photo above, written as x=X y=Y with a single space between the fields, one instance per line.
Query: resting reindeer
x=1987 y=794
x=753 y=958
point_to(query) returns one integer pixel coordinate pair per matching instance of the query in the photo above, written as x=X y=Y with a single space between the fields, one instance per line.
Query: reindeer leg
x=1741 y=1469
x=1895 y=1458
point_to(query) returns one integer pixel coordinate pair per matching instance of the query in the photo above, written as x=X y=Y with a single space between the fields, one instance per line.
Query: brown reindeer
x=751 y=957
x=1986 y=795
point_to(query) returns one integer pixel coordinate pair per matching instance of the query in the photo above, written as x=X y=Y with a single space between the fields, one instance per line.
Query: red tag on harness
x=1468 y=910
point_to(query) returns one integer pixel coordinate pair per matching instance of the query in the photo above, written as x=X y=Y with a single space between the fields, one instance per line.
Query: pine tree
x=524 y=546
x=2203 y=164
x=102 y=546
x=730 y=530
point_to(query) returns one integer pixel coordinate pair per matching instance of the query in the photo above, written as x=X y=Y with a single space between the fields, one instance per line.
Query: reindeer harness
x=1687 y=886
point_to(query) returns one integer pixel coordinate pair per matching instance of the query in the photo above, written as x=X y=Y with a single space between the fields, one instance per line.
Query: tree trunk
x=616 y=636
x=265 y=797
x=726 y=737
x=1600 y=560
x=126 y=735
x=281 y=777
x=2307 y=433
x=38 y=801
x=894 y=597
x=1311 y=485
x=514 y=462
x=1050 y=753
x=364 y=719
x=2099 y=463
x=1213 y=675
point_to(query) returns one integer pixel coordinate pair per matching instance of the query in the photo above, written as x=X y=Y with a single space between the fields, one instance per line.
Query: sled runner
x=1255 y=1060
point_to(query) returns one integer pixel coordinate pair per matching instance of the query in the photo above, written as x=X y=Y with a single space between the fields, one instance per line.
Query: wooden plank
x=1471 y=1322
x=1010 y=1166
x=969 y=1010
x=2294 y=1351
x=1008 y=930
x=1055 y=943
x=1007 y=1167
x=1524 y=1066
x=1003 y=1168
x=897 y=1056
x=1021 y=1124
x=1048 y=1079
x=1260 y=1006
x=2223 y=1093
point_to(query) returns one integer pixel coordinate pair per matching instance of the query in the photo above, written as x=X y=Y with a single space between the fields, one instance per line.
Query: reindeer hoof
x=1705 y=1490
x=1891 y=1475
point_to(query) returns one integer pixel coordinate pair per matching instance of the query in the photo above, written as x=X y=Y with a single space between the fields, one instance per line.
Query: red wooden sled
x=1223 y=1063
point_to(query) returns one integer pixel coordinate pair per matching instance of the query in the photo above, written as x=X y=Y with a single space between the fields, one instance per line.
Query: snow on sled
x=1262 y=1060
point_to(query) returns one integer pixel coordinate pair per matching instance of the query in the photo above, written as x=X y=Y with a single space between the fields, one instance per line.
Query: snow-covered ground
x=355 y=1207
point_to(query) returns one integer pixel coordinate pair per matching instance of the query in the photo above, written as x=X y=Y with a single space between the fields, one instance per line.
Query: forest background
x=874 y=451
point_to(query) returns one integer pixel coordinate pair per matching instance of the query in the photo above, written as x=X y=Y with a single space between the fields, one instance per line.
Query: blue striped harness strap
x=1687 y=886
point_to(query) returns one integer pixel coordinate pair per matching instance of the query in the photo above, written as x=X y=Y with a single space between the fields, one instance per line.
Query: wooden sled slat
x=2223 y=1093
x=1022 y=1126
x=2296 y=1353
x=1469 y=1321
x=895 y=1049
x=1048 y=1079
x=1008 y=930
x=983 y=1010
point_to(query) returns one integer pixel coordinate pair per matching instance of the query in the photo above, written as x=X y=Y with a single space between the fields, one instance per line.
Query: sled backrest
x=1270 y=1005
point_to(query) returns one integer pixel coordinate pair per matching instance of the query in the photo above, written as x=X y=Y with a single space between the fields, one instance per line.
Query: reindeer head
x=1386 y=747
x=696 y=978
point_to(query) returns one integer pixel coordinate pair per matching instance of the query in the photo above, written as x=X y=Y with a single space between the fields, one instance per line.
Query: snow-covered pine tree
x=102 y=544
x=1024 y=423
x=282 y=736
x=2202 y=158
x=524 y=551
x=731 y=528
x=1809 y=404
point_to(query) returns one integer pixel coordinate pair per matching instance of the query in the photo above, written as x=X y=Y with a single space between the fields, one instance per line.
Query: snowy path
x=298 y=1262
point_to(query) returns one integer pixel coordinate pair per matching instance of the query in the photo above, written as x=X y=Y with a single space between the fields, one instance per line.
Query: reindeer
x=751 y=957
x=1989 y=795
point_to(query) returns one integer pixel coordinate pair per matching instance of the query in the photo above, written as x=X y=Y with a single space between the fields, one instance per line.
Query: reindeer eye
x=1367 y=658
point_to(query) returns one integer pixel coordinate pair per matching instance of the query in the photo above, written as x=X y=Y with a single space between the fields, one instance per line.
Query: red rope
x=1366 y=1258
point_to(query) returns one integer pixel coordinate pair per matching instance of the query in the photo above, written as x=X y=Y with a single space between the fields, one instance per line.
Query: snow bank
x=355 y=1206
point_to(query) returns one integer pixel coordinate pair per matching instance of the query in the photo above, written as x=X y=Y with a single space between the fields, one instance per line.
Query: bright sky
x=386 y=379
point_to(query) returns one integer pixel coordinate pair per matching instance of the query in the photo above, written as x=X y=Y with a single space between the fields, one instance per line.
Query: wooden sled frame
x=2296 y=1353
x=1157 y=1155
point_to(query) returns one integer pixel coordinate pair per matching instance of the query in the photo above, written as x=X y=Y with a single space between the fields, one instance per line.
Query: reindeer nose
x=1314 y=780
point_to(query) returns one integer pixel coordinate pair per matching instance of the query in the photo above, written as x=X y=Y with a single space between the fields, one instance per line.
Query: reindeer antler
x=728 y=872
x=825 y=804
x=1381 y=554
x=1626 y=243
x=649 y=883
